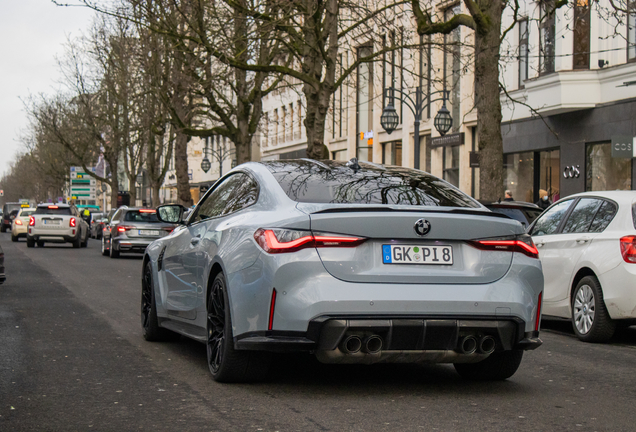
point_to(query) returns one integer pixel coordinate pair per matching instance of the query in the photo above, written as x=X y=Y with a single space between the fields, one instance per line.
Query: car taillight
x=168 y=229
x=520 y=243
x=123 y=228
x=628 y=249
x=536 y=324
x=18 y=222
x=31 y=221
x=71 y=223
x=285 y=240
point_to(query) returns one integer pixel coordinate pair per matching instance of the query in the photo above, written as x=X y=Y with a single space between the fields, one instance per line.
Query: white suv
x=587 y=247
x=57 y=223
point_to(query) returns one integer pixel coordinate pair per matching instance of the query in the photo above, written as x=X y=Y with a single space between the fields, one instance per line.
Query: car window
x=224 y=195
x=116 y=216
x=334 y=182
x=603 y=217
x=582 y=215
x=532 y=214
x=549 y=222
x=242 y=196
x=53 y=210
x=26 y=213
x=141 y=216
x=512 y=213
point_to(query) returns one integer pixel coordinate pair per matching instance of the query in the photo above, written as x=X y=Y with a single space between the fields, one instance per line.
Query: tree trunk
x=181 y=168
x=488 y=103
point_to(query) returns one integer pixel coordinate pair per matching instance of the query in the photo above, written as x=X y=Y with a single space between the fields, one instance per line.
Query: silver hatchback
x=354 y=262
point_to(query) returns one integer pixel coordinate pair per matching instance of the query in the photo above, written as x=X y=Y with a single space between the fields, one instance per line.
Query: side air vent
x=160 y=259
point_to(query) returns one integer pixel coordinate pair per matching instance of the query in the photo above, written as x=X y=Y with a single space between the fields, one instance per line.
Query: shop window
x=581 y=34
x=549 y=169
x=631 y=30
x=519 y=175
x=451 y=164
x=547 y=36
x=603 y=172
x=364 y=108
x=523 y=51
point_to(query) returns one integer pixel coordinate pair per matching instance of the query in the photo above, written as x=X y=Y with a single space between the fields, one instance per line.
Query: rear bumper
x=406 y=335
x=54 y=237
x=131 y=245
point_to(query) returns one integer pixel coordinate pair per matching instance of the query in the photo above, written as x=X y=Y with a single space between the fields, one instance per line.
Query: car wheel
x=3 y=228
x=149 y=322
x=14 y=238
x=590 y=320
x=104 y=250
x=30 y=242
x=85 y=242
x=77 y=243
x=113 y=253
x=225 y=363
x=497 y=367
x=40 y=243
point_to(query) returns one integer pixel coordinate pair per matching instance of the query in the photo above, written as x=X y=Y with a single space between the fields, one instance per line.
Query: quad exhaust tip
x=487 y=345
x=373 y=344
x=468 y=345
x=351 y=345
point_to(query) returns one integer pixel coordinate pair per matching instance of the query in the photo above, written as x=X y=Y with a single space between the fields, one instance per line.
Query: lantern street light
x=390 y=119
x=206 y=165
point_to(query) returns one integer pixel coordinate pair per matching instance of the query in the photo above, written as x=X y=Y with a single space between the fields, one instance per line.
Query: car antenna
x=353 y=164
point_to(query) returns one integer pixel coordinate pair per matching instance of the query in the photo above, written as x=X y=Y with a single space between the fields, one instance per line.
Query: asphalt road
x=72 y=358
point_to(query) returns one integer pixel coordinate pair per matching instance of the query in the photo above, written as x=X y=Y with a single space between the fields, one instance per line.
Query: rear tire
x=3 y=228
x=30 y=242
x=590 y=320
x=497 y=367
x=85 y=242
x=225 y=363
x=77 y=243
x=149 y=322
x=14 y=238
x=104 y=250
x=111 y=250
x=40 y=243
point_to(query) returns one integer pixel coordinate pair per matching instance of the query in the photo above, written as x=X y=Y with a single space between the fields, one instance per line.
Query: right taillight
x=520 y=243
x=72 y=223
x=286 y=240
x=628 y=249
x=31 y=221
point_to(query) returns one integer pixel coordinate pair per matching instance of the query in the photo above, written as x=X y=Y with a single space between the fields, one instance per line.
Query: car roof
x=620 y=196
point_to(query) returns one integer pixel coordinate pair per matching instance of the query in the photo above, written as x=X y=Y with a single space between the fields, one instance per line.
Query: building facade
x=567 y=77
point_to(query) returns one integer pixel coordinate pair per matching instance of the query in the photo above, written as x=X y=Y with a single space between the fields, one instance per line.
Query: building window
x=631 y=30
x=603 y=172
x=523 y=51
x=581 y=34
x=519 y=175
x=451 y=164
x=452 y=66
x=547 y=37
x=364 y=107
x=392 y=153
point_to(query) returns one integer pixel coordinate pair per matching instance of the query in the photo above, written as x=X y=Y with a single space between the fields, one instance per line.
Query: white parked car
x=587 y=247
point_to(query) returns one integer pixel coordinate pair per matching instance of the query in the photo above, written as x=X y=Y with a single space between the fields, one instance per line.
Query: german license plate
x=51 y=222
x=403 y=254
x=149 y=232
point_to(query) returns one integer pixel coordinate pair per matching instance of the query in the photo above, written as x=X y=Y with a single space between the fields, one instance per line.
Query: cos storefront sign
x=623 y=147
x=572 y=172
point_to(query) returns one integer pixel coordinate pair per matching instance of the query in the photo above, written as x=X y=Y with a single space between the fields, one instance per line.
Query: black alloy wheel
x=149 y=322
x=104 y=248
x=114 y=253
x=216 y=325
x=225 y=362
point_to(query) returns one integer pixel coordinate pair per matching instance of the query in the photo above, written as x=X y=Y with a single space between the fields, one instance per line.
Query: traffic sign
x=83 y=184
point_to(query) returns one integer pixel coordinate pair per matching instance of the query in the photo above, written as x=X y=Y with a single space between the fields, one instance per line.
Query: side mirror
x=171 y=213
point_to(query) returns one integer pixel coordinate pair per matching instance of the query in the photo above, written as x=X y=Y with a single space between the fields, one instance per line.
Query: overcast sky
x=32 y=34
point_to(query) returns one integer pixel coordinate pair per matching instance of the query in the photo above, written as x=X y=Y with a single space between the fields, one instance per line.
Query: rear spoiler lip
x=452 y=210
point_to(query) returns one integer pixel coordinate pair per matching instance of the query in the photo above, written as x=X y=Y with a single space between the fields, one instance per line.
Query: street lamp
x=390 y=119
x=206 y=165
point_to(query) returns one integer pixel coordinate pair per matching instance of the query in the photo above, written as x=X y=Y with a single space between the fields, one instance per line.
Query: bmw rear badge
x=422 y=227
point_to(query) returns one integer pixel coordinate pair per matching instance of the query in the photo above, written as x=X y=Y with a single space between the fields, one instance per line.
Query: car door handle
x=540 y=244
x=582 y=240
x=195 y=240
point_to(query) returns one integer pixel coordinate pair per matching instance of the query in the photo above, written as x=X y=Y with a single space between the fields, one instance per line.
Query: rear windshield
x=333 y=182
x=26 y=213
x=53 y=211
x=137 y=216
x=525 y=216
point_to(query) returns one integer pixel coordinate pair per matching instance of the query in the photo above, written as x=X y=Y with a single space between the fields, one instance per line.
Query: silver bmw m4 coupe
x=353 y=262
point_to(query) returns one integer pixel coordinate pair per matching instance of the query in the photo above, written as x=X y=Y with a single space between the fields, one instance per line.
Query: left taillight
x=520 y=243
x=72 y=222
x=31 y=221
x=18 y=222
x=274 y=240
x=628 y=249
